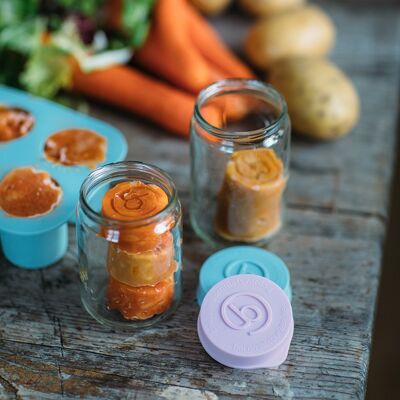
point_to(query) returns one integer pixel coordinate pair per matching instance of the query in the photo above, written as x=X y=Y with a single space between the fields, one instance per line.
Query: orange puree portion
x=76 y=147
x=14 y=123
x=141 y=268
x=140 y=302
x=249 y=202
x=27 y=192
x=132 y=201
x=141 y=265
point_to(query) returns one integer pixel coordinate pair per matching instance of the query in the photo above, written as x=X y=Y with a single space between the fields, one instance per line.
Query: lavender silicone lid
x=246 y=321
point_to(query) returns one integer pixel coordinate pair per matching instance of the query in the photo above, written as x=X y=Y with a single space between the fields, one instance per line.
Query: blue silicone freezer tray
x=40 y=241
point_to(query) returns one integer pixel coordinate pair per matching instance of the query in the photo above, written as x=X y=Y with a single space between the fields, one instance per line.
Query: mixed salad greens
x=38 y=38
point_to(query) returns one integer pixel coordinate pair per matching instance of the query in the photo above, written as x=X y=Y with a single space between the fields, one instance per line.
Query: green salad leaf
x=47 y=71
x=13 y=12
x=136 y=20
x=24 y=37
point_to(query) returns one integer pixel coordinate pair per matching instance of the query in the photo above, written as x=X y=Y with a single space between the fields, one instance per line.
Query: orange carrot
x=155 y=58
x=208 y=42
x=182 y=47
x=170 y=28
x=147 y=97
x=217 y=74
x=132 y=90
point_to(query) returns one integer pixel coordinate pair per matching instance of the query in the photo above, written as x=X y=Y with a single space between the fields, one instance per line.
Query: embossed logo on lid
x=246 y=311
x=244 y=267
x=242 y=260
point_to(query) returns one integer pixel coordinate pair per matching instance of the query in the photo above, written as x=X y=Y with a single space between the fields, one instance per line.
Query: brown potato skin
x=262 y=8
x=307 y=31
x=322 y=101
x=211 y=7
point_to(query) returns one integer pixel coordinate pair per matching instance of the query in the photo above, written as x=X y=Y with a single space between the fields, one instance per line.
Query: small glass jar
x=240 y=143
x=129 y=245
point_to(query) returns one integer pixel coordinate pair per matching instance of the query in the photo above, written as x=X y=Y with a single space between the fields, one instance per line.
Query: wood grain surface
x=332 y=244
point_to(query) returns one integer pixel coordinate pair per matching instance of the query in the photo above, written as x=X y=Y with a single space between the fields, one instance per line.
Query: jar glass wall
x=129 y=245
x=240 y=144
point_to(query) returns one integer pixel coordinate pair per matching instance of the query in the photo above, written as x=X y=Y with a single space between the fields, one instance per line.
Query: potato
x=210 y=7
x=307 y=31
x=322 y=101
x=268 y=7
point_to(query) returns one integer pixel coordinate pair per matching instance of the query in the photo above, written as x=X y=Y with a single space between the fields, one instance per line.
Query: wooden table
x=332 y=243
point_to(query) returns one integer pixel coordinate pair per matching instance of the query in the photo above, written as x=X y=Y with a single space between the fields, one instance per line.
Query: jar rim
x=104 y=172
x=235 y=85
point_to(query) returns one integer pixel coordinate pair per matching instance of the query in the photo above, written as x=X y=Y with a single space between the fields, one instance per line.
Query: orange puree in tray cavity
x=249 y=202
x=27 y=192
x=141 y=265
x=14 y=123
x=75 y=147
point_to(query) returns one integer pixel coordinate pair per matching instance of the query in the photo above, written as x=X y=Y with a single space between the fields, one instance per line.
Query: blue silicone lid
x=242 y=260
x=27 y=151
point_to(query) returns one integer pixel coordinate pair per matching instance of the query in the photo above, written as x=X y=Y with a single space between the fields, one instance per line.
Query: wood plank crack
x=60 y=374
x=56 y=327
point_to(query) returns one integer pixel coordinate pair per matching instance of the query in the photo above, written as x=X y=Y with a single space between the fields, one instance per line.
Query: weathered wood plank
x=330 y=338
x=337 y=195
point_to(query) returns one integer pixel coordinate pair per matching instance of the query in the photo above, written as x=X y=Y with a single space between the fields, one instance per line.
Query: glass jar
x=240 y=143
x=129 y=245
